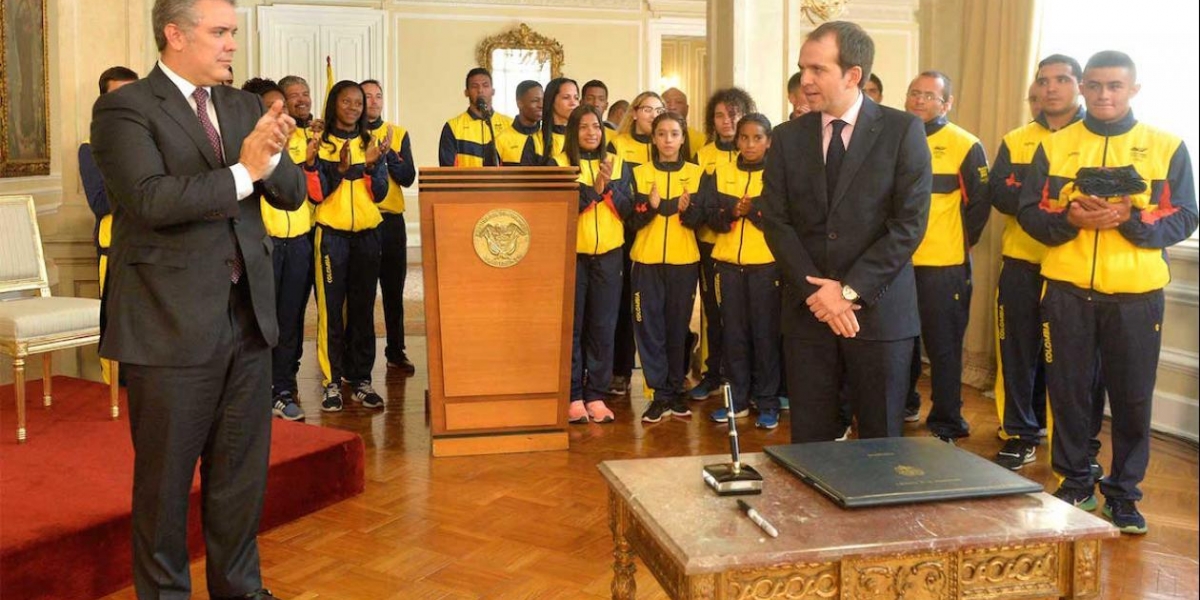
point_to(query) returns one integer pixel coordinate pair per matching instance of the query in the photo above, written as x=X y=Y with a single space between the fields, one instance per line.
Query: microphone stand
x=732 y=478
x=486 y=112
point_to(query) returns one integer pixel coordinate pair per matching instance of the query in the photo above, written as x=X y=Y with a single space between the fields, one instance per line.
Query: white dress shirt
x=850 y=117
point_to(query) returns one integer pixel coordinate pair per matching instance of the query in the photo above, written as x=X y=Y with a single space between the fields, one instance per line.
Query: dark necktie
x=238 y=265
x=833 y=158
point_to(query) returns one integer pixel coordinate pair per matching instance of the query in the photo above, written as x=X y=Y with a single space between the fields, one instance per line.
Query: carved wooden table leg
x=1086 y=574
x=624 y=587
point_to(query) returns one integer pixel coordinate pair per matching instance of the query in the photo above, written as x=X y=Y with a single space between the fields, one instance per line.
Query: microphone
x=481 y=105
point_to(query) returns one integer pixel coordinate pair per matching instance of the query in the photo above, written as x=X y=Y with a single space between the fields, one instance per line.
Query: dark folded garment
x=1109 y=182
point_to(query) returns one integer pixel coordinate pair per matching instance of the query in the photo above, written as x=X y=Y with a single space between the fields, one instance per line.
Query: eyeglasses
x=657 y=110
x=926 y=96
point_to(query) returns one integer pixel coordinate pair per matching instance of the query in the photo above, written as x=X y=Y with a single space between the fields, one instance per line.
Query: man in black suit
x=846 y=199
x=189 y=308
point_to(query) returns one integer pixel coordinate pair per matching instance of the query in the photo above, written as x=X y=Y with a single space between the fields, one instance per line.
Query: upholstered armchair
x=31 y=320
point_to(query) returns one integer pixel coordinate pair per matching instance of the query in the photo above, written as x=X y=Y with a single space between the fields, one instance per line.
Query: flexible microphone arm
x=486 y=112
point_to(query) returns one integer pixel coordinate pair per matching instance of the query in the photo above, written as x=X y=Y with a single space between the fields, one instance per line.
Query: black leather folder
x=886 y=471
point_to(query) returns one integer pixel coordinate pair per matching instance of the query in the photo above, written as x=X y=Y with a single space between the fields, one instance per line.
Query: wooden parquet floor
x=535 y=526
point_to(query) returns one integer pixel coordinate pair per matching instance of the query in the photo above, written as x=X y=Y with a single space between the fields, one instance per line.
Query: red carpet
x=65 y=493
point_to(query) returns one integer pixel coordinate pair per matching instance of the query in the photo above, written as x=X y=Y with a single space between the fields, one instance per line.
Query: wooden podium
x=498 y=246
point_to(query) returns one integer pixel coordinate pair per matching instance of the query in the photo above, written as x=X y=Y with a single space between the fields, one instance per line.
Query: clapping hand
x=685 y=200
x=655 y=199
x=268 y=138
x=604 y=176
x=344 y=157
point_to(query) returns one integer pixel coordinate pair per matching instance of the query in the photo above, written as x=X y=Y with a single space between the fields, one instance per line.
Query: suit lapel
x=177 y=107
x=866 y=132
x=811 y=138
x=231 y=127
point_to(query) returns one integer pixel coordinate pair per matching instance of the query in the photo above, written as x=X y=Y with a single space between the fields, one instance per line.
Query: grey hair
x=179 y=12
x=291 y=80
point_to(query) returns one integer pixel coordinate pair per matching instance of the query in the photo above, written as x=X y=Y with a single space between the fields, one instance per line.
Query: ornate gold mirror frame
x=522 y=38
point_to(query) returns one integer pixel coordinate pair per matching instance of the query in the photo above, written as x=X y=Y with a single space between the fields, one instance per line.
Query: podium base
x=508 y=443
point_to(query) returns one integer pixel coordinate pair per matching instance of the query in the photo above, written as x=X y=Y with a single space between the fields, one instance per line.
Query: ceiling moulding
x=885 y=11
x=601 y=4
x=678 y=8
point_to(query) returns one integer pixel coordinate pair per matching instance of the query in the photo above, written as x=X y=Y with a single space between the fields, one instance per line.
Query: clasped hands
x=1091 y=212
x=830 y=307
x=269 y=137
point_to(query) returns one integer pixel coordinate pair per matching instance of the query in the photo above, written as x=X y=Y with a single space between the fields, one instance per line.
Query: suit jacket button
x=229 y=263
x=833 y=235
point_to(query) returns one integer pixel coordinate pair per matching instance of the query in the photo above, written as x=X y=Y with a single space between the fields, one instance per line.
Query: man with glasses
x=958 y=210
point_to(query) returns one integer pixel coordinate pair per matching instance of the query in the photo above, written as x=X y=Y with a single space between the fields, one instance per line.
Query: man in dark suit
x=189 y=307
x=846 y=199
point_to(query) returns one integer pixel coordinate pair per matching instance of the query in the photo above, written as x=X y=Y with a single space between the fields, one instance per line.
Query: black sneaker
x=655 y=411
x=679 y=407
x=1016 y=453
x=1095 y=470
x=912 y=415
x=332 y=402
x=1124 y=514
x=403 y=365
x=285 y=407
x=363 y=392
x=944 y=438
x=618 y=386
x=1081 y=499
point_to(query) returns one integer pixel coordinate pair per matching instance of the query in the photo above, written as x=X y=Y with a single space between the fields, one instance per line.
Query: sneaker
x=403 y=365
x=363 y=392
x=332 y=402
x=1125 y=515
x=707 y=387
x=845 y=435
x=285 y=407
x=767 y=419
x=784 y=404
x=1096 y=471
x=1081 y=499
x=619 y=386
x=655 y=411
x=599 y=412
x=721 y=415
x=679 y=407
x=1016 y=453
x=576 y=413
x=912 y=415
x=945 y=438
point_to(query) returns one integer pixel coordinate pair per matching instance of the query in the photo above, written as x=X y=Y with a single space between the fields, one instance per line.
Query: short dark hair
x=260 y=86
x=947 y=86
x=795 y=81
x=525 y=86
x=371 y=81
x=112 y=74
x=877 y=81
x=855 y=47
x=474 y=72
x=618 y=105
x=591 y=84
x=734 y=96
x=1111 y=58
x=1061 y=59
x=757 y=118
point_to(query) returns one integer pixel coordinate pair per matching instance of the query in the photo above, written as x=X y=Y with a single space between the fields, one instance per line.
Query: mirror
x=515 y=56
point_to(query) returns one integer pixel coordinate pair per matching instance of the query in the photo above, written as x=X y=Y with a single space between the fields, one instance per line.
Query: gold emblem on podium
x=909 y=471
x=501 y=238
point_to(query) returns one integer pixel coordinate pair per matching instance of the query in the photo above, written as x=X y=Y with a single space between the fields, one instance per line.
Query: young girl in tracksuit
x=746 y=276
x=347 y=178
x=632 y=145
x=604 y=203
x=665 y=258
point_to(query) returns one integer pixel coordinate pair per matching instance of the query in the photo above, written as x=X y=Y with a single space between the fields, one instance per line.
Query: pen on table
x=758 y=519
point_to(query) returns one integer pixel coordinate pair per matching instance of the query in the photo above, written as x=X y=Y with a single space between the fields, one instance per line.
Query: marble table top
x=707 y=533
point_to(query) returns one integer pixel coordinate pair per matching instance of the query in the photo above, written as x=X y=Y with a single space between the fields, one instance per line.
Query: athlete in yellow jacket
x=1105 y=269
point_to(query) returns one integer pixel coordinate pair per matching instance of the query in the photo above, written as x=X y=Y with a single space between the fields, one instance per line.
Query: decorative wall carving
x=523 y=38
